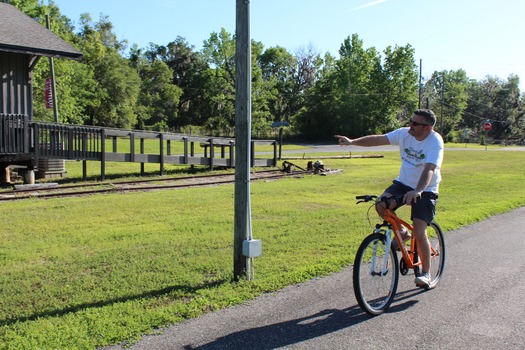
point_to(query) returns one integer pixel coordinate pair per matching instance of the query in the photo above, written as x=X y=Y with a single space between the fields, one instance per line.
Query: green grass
x=87 y=272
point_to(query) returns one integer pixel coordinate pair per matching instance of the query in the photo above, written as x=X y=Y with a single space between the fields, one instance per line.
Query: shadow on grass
x=103 y=303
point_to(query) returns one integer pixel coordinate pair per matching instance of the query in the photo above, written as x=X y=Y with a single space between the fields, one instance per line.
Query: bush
x=454 y=137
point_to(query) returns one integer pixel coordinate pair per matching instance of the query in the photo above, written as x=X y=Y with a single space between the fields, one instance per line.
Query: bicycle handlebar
x=370 y=197
x=365 y=198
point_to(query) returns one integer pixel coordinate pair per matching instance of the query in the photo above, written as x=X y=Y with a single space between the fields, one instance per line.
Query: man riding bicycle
x=421 y=151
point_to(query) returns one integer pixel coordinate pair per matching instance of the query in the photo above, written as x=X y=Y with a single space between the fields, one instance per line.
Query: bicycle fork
x=388 y=242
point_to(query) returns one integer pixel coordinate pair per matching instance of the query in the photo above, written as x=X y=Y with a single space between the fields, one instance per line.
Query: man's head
x=422 y=123
x=429 y=116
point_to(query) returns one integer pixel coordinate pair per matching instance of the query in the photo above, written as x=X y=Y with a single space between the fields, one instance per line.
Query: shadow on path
x=286 y=333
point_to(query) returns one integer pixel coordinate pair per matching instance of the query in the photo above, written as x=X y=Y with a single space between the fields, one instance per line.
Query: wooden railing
x=14 y=134
x=86 y=143
x=60 y=141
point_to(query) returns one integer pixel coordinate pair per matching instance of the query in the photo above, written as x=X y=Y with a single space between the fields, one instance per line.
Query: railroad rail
x=55 y=190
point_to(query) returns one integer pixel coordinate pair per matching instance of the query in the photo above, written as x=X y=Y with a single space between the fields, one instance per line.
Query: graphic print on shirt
x=413 y=157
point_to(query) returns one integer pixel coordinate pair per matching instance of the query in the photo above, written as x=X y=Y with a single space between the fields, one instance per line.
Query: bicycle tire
x=437 y=242
x=374 y=290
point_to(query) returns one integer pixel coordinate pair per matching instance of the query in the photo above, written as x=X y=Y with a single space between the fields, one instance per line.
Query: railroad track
x=51 y=191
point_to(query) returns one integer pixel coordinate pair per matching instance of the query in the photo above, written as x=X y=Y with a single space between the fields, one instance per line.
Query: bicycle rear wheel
x=437 y=242
x=375 y=275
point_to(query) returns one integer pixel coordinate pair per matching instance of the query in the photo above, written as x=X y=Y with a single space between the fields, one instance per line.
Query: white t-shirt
x=414 y=154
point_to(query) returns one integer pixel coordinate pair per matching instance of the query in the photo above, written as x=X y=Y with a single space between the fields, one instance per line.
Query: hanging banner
x=48 y=94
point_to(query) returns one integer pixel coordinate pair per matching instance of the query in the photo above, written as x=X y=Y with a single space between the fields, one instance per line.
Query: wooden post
x=275 y=153
x=70 y=138
x=142 y=170
x=36 y=142
x=132 y=146
x=102 y=154
x=84 y=169
x=252 y=153
x=186 y=158
x=192 y=152
x=232 y=154
x=242 y=229
x=212 y=153
x=161 y=151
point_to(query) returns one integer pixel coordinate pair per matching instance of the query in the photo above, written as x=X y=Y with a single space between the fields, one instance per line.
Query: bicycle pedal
x=403 y=269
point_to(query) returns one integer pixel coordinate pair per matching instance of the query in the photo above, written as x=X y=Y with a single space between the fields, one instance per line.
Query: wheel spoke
x=375 y=275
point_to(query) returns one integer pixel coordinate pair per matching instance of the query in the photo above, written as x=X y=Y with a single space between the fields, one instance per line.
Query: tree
x=189 y=74
x=219 y=52
x=340 y=99
x=277 y=67
x=116 y=83
x=289 y=78
x=395 y=80
x=159 y=97
x=447 y=95
x=498 y=102
x=361 y=94
x=119 y=87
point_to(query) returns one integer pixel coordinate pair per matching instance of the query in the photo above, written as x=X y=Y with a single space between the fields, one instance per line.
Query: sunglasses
x=416 y=123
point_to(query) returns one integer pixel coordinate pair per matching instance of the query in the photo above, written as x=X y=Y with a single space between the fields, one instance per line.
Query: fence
x=14 y=131
x=73 y=142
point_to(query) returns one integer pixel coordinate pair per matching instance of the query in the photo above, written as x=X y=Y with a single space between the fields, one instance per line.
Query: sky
x=483 y=37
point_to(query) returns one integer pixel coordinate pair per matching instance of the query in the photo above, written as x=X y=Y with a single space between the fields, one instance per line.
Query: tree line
x=178 y=88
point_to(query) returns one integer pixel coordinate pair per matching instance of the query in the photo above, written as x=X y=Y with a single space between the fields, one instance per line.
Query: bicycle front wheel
x=376 y=275
x=437 y=244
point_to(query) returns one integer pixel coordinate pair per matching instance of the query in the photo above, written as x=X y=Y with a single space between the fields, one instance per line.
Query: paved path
x=477 y=305
x=343 y=149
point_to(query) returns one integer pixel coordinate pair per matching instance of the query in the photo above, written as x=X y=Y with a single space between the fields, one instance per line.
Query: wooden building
x=23 y=41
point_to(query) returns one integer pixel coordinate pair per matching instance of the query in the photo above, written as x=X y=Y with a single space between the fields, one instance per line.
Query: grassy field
x=87 y=272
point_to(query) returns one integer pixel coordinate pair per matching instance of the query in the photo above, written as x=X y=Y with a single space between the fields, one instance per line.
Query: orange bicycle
x=376 y=267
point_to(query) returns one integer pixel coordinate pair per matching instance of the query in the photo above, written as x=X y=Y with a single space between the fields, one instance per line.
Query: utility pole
x=420 y=86
x=52 y=77
x=242 y=229
x=442 y=100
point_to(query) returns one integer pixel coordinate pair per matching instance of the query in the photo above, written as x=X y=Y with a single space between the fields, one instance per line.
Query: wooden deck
x=23 y=142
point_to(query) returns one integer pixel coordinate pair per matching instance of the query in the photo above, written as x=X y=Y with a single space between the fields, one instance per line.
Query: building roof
x=21 y=34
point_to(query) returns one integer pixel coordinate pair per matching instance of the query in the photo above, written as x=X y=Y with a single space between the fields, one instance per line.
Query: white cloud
x=373 y=3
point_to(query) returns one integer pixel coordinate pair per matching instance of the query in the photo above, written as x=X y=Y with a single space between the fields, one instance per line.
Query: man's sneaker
x=404 y=235
x=423 y=280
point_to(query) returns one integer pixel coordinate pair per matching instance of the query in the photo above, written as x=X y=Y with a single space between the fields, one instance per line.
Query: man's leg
x=423 y=245
x=380 y=205
x=423 y=212
x=396 y=189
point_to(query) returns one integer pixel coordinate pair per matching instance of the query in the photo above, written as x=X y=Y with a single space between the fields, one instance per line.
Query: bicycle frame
x=395 y=223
